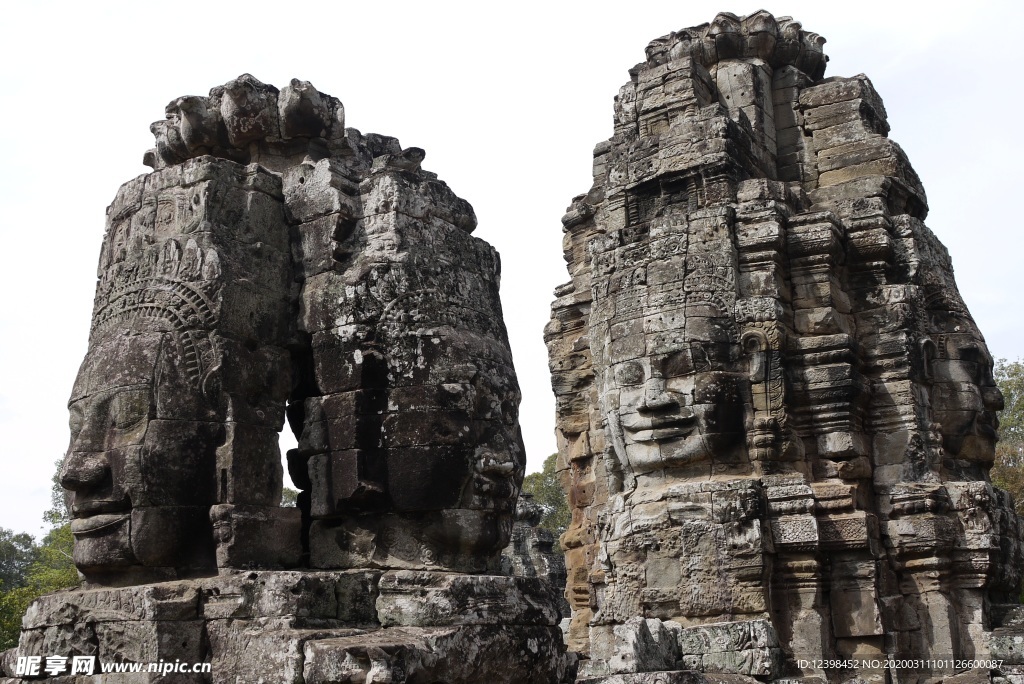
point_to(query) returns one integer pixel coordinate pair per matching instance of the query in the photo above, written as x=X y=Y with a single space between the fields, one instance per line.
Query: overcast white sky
x=508 y=100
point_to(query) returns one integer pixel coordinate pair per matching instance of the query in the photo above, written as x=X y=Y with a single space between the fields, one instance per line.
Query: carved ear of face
x=768 y=437
x=928 y=353
x=755 y=347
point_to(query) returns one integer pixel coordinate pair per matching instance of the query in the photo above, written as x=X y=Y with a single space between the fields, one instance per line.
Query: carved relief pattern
x=792 y=330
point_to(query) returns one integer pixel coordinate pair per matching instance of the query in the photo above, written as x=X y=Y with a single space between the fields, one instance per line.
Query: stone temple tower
x=279 y=266
x=775 y=415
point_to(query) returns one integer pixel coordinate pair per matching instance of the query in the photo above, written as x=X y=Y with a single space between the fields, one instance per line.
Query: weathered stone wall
x=309 y=628
x=275 y=257
x=775 y=416
x=277 y=266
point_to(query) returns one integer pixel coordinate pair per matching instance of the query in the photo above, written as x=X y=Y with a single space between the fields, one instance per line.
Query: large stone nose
x=992 y=398
x=83 y=470
x=655 y=398
x=85 y=464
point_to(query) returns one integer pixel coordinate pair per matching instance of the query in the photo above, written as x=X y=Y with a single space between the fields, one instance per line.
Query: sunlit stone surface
x=775 y=415
x=278 y=266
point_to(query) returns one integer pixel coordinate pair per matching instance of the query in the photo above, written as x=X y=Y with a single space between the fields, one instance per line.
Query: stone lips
x=771 y=401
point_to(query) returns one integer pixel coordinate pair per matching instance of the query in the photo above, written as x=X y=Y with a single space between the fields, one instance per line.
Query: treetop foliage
x=1008 y=470
x=1010 y=379
x=29 y=570
x=547 y=491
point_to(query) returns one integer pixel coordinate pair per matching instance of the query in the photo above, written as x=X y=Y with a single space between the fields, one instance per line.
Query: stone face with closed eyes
x=276 y=266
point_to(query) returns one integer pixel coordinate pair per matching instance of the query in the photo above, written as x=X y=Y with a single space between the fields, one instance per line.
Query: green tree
x=33 y=569
x=51 y=570
x=1010 y=379
x=289 y=497
x=17 y=551
x=55 y=567
x=547 y=491
x=58 y=513
x=1008 y=469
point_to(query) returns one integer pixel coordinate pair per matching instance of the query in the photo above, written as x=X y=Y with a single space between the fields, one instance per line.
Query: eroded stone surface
x=276 y=258
x=532 y=551
x=669 y=677
x=439 y=654
x=429 y=599
x=313 y=626
x=277 y=266
x=775 y=414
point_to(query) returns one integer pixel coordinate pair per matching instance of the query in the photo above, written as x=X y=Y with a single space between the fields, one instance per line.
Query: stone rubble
x=775 y=415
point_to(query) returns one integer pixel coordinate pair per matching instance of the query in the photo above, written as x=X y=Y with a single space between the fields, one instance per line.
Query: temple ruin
x=775 y=415
x=276 y=266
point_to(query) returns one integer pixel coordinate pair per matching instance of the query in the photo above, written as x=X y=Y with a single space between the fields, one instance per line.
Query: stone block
x=795 y=531
x=431 y=599
x=842 y=90
x=146 y=642
x=460 y=655
x=257 y=536
x=645 y=646
x=850 y=111
x=246 y=651
x=318 y=245
x=316 y=189
x=247 y=460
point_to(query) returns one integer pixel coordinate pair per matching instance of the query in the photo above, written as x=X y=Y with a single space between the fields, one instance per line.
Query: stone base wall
x=309 y=628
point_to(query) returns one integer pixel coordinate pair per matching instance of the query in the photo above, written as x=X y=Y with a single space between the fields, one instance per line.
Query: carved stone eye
x=678 y=364
x=77 y=420
x=630 y=373
x=129 y=407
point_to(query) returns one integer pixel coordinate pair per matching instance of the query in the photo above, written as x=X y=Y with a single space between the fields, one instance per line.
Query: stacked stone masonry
x=276 y=266
x=532 y=552
x=775 y=415
x=328 y=627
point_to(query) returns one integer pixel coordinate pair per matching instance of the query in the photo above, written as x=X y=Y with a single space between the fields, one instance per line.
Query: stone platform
x=310 y=628
x=669 y=677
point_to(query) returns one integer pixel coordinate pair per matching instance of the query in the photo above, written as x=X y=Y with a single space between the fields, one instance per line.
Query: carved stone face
x=455 y=445
x=964 y=396
x=140 y=467
x=430 y=474
x=469 y=460
x=669 y=367
x=676 y=410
